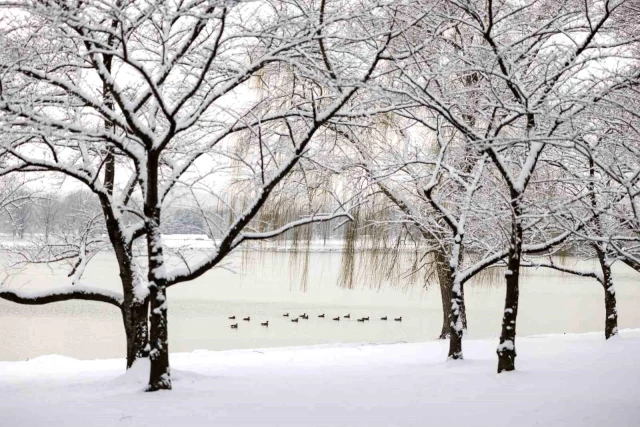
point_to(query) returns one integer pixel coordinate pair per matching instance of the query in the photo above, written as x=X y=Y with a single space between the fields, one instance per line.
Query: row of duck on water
x=305 y=316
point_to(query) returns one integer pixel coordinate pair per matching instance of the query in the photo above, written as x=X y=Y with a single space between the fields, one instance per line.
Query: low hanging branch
x=66 y=293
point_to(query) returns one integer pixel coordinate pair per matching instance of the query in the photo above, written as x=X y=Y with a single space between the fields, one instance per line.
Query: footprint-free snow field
x=561 y=380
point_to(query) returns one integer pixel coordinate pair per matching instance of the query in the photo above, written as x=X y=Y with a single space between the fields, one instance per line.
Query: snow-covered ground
x=562 y=380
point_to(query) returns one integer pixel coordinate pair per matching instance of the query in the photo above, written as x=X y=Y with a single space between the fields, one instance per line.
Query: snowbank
x=562 y=380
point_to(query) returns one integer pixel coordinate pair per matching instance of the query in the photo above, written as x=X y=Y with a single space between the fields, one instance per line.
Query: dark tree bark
x=456 y=325
x=611 y=311
x=463 y=308
x=135 y=307
x=444 y=281
x=611 y=322
x=160 y=375
x=507 y=347
x=135 y=319
x=630 y=263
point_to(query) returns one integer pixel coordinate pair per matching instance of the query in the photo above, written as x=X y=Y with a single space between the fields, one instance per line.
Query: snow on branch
x=66 y=293
x=304 y=221
x=553 y=266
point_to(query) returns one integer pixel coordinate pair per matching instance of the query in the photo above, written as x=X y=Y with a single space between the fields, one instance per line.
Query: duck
x=361 y=320
x=398 y=319
x=295 y=320
x=285 y=315
x=234 y=326
x=232 y=317
x=247 y=319
x=305 y=316
x=336 y=318
x=265 y=323
x=365 y=318
x=348 y=316
x=383 y=318
x=321 y=316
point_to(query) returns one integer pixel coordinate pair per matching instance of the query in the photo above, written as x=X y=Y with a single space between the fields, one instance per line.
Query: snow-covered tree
x=137 y=99
x=536 y=65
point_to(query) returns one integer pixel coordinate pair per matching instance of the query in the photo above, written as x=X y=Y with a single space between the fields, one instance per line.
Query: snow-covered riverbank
x=562 y=380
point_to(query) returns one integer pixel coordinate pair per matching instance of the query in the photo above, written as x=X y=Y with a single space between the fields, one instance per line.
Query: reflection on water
x=265 y=288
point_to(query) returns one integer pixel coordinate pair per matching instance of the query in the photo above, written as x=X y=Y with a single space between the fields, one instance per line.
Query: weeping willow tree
x=398 y=237
x=381 y=249
x=308 y=192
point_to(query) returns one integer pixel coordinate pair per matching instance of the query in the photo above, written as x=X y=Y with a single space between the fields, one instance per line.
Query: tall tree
x=532 y=61
x=171 y=87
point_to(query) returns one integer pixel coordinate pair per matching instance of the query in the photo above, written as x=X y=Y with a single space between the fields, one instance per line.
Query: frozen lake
x=264 y=287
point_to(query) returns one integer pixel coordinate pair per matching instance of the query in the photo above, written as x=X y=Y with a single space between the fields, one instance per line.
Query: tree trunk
x=507 y=347
x=160 y=374
x=456 y=326
x=463 y=309
x=444 y=280
x=611 y=311
x=611 y=323
x=135 y=317
x=135 y=312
